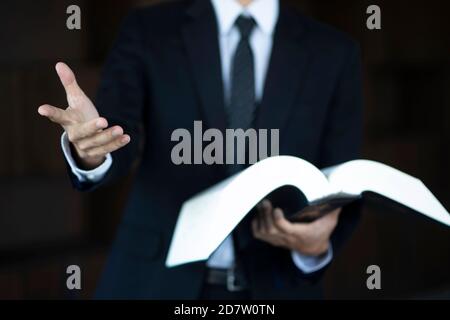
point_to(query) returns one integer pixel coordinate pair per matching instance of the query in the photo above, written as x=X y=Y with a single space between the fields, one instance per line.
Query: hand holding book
x=208 y=218
x=271 y=225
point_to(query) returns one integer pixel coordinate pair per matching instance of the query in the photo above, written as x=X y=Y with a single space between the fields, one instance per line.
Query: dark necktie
x=241 y=107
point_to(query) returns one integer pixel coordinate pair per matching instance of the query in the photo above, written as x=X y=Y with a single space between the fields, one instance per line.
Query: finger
x=281 y=223
x=78 y=132
x=270 y=222
x=68 y=80
x=100 y=139
x=258 y=217
x=110 y=147
x=257 y=223
x=266 y=207
x=55 y=114
x=259 y=206
x=273 y=240
x=255 y=228
x=268 y=218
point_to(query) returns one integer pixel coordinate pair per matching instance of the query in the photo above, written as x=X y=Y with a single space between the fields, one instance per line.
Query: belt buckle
x=232 y=285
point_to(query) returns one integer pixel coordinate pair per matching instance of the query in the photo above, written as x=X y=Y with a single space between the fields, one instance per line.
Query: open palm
x=86 y=130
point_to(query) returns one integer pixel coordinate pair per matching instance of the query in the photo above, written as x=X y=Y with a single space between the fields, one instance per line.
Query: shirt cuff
x=310 y=264
x=94 y=175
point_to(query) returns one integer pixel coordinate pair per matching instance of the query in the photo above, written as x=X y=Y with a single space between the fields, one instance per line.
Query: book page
x=208 y=218
x=355 y=177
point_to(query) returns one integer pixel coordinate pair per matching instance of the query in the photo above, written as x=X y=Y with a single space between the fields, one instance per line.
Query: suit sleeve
x=121 y=99
x=342 y=137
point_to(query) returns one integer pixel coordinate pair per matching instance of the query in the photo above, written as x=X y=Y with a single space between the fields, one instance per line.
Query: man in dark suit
x=231 y=64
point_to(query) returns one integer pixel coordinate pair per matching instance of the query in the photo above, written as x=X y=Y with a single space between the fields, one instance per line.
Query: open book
x=208 y=218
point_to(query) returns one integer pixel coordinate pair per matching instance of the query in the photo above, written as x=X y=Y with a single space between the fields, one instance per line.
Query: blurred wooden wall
x=46 y=226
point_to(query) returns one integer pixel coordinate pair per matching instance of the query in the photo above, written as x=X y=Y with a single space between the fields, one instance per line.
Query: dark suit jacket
x=162 y=74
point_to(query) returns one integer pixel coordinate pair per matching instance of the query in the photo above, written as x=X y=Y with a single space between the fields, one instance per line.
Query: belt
x=233 y=278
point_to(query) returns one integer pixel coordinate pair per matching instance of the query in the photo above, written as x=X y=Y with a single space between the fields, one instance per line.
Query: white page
x=356 y=176
x=207 y=219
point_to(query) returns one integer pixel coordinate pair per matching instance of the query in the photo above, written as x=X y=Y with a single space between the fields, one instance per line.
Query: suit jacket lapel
x=200 y=37
x=287 y=70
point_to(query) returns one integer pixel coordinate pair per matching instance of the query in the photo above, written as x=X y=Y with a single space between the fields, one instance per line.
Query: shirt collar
x=265 y=13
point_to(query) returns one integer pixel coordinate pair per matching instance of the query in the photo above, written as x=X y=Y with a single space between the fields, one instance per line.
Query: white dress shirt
x=265 y=13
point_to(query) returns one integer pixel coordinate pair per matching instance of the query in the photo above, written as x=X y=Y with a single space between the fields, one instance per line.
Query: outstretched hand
x=89 y=133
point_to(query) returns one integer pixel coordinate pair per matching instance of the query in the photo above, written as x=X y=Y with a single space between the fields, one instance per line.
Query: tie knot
x=245 y=26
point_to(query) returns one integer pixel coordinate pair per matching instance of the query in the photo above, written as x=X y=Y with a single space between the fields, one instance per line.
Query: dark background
x=45 y=225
